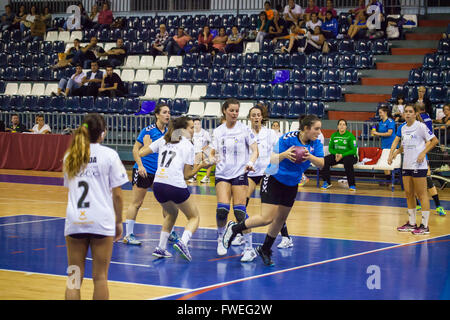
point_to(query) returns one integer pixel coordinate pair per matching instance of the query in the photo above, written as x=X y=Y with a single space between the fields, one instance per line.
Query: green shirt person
x=343 y=150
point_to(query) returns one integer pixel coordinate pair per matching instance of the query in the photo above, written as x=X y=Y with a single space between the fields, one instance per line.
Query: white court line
x=127 y=264
x=299 y=267
x=15 y=223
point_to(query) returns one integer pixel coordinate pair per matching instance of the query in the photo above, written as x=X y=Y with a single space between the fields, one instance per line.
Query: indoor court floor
x=345 y=247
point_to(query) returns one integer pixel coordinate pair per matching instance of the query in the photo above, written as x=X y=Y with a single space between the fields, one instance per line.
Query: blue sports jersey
x=384 y=127
x=150 y=161
x=427 y=120
x=399 y=130
x=287 y=172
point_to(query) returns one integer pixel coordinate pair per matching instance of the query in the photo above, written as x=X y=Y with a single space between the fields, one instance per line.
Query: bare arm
x=118 y=207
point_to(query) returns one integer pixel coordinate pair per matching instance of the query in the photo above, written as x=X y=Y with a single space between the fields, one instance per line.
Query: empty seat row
x=429 y=76
x=27 y=60
x=436 y=94
x=156 y=91
x=216 y=90
x=245 y=75
x=150 y=62
x=70 y=104
x=434 y=61
x=34 y=47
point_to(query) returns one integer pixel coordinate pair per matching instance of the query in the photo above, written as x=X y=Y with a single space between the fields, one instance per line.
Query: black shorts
x=277 y=193
x=142 y=182
x=416 y=173
x=86 y=236
x=165 y=192
x=238 y=181
x=256 y=179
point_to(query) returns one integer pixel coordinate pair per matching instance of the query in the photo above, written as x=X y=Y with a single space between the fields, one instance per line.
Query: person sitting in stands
x=91 y=82
x=311 y=8
x=234 y=43
x=112 y=85
x=219 y=42
x=160 y=42
x=330 y=26
x=41 y=127
x=358 y=29
x=72 y=56
x=16 y=126
x=105 y=17
x=204 y=41
x=116 y=56
x=71 y=84
x=293 y=13
x=323 y=11
x=92 y=52
x=7 y=18
x=175 y=45
x=278 y=28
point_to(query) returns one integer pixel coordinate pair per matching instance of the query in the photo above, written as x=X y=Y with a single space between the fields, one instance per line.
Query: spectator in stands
x=176 y=44
x=105 y=17
x=47 y=18
x=91 y=82
x=329 y=7
x=92 y=52
x=293 y=13
x=18 y=18
x=276 y=127
x=278 y=28
x=16 y=126
x=204 y=41
x=83 y=14
x=359 y=27
x=219 y=42
x=160 y=41
x=28 y=19
x=262 y=28
x=354 y=12
x=41 y=127
x=313 y=22
x=311 y=8
x=71 y=57
x=295 y=40
x=398 y=108
x=234 y=43
x=66 y=86
x=112 y=85
x=7 y=18
x=446 y=119
x=37 y=30
x=314 y=42
x=330 y=26
x=269 y=11
x=423 y=100
x=116 y=55
x=443 y=132
x=92 y=20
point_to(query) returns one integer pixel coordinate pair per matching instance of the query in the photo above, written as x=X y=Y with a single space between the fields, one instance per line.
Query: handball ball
x=299 y=154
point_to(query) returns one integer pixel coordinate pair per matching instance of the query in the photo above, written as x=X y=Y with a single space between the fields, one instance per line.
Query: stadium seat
x=16 y=103
x=217 y=74
x=64 y=36
x=146 y=62
x=415 y=76
x=430 y=61
x=179 y=106
x=267 y=60
x=298 y=75
x=4 y=102
x=190 y=60
x=200 y=74
x=330 y=76
x=132 y=62
x=196 y=108
x=213 y=109
x=214 y=90
x=396 y=90
x=363 y=47
x=251 y=47
x=160 y=62
x=380 y=46
x=280 y=91
x=234 y=60
x=363 y=62
x=175 y=61
x=279 y=109
x=438 y=94
x=265 y=75
x=331 y=92
x=281 y=60
x=43 y=104
x=446 y=77
x=136 y=89
x=230 y=90
x=185 y=74
x=168 y=91
x=433 y=77
x=38 y=89
x=19 y=73
x=153 y=92
x=142 y=75
x=219 y=61
x=249 y=75
x=11 y=88
x=444 y=62
x=346 y=46
x=116 y=105
x=156 y=75
x=313 y=92
x=131 y=105
x=296 y=108
x=346 y=61
x=198 y=91
x=183 y=92
x=87 y=104
x=267 y=46
x=313 y=75
x=246 y=91
x=72 y=104
x=2 y=87
x=102 y=104
x=298 y=91
x=233 y=75
x=204 y=60
x=263 y=91
x=51 y=36
x=348 y=76
x=30 y=103
x=444 y=46
x=316 y=108
x=250 y=60
x=314 y=60
x=127 y=75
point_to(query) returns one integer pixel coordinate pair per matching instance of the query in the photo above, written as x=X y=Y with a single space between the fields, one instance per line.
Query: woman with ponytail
x=175 y=165
x=94 y=175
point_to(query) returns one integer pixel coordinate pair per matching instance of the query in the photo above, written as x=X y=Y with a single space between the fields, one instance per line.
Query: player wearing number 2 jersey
x=94 y=175
x=175 y=164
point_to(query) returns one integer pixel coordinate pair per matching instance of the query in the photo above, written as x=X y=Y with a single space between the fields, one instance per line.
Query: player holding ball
x=291 y=157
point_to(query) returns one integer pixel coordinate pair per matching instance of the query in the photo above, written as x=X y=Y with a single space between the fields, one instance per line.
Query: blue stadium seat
x=34 y=47
x=234 y=60
x=200 y=21
x=190 y=59
x=214 y=21
x=228 y=20
x=2 y=87
x=32 y=73
x=247 y=91
x=250 y=60
x=265 y=75
x=171 y=75
x=16 y=36
x=330 y=60
x=433 y=77
x=446 y=77
x=101 y=104
x=298 y=75
x=313 y=75
x=267 y=46
x=200 y=75
x=118 y=33
x=330 y=75
x=444 y=46
x=298 y=91
x=348 y=76
x=59 y=46
x=282 y=60
x=19 y=73
x=266 y=60
x=316 y=108
x=346 y=46
x=363 y=47
x=313 y=92
x=363 y=61
x=158 y=20
x=249 y=75
x=179 y=106
x=233 y=75
x=346 y=61
x=187 y=21
x=214 y=90
x=173 y=21
x=4 y=103
x=185 y=74
x=87 y=104
x=243 y=21
x=5 y=36
x=30 y=103
x=16 y=103
x=396 y=90
x=220 y=60
x=296 y=108
x=331 y=92
x=444 y=61
x=39 y=60
x=8 y=73
x=88 y=34
x=104 y=35
x=314 y=60
x=253 y=20
x=136 y=89
x=430 y=61
x=116 y=105
x=415 y=76
x=216 y=74
x=263 y=91
x=380 y=46
x=3 y=59
x=72 y=105
x=280 y=91
x=14 y=60
x=131 y=105
x=230 y=90
x=438 y=94
x=137 y=47
x=410 y=93
x=204 y=60
x=279 y=109
x=43 y=104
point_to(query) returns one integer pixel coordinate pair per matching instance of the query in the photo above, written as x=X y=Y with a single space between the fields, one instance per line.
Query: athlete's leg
x=101 y=258
x=76 y=255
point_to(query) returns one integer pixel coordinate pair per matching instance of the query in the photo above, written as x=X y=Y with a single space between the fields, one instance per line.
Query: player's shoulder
x=149 y=128
x=107 y=152
x=290 y=135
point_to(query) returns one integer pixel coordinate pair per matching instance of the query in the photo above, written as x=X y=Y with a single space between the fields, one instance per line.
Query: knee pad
x=240 y=213
x=222 y=211
x=430 y=183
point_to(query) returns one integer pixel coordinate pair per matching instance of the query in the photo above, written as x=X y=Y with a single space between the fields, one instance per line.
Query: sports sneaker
x=440 y=211
x=352 y=188
x=238 y=240
x=266 y=257
x=407 y=227
x=192 y=180
x=304 y=181
x=325 y=186
x=131 y=240
x=221 y=250
x=160 y=253
x=418 y=208
x=421 y=230
x=182 y=248
x=228 y=235
x=286 y=242
x=249 y=255
x=205 y=179
x=173 y=237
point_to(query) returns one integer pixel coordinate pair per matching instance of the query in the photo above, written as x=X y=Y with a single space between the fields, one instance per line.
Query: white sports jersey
x=201 y=139
x=414 y=139
x=232 y=149
x=172 y=157
x=266 y=139
x=90 y=206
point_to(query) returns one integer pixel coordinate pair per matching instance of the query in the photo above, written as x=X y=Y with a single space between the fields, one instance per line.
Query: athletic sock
x=220 y=232
x=163 y=238
x=248 y=238
x=239 y=227
x=412 y=216
x=186 y=237
x=417 y=202
x=284 y=231
x=425 y=217
x=130 y=227
x=268 y=242
x=436 y=200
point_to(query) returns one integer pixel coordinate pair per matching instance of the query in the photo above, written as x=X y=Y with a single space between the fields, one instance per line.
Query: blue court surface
x=315 y=268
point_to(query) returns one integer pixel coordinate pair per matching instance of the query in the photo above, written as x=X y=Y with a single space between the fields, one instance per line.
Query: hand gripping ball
x=299 y=154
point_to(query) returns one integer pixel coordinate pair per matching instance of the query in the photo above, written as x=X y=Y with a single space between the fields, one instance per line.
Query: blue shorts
x=242 y=180
x=420 y=173
x=165 y=192
x=256 y=179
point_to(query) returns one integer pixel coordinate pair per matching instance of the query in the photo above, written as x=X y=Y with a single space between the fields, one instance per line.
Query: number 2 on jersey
x=172 y=155
x=81 y=203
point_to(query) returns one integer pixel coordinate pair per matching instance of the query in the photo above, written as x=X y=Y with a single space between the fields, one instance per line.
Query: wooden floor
x=312 y=219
